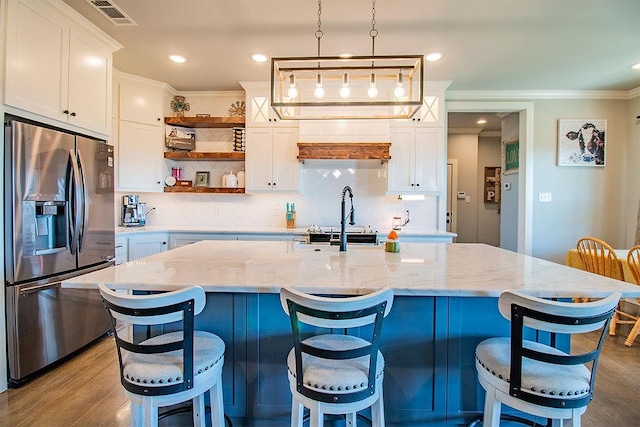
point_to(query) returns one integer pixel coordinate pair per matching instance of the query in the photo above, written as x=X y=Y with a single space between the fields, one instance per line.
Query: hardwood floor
x=86 y=391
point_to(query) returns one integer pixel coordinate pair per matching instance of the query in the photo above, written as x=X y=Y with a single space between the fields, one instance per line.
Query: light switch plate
x=544 y=197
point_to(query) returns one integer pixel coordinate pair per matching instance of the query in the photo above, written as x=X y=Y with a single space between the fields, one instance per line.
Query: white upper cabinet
x=141 y=102
x=141 y=134
x=432 y=111
x=417 y=159
x=258 y=106
x=140 y=157
x=56 y=68
x=271 y=160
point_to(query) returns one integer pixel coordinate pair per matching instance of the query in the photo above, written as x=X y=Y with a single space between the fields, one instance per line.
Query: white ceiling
x=488 y=44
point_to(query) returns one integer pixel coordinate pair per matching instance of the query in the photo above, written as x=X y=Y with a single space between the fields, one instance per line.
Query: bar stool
x=332 y=372
x=536 y=378
x=172 y=367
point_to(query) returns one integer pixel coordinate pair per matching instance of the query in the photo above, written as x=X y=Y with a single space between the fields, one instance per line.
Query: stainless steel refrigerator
x=59 y=223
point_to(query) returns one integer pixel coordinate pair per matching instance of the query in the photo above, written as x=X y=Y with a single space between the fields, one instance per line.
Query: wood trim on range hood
x=344 y=151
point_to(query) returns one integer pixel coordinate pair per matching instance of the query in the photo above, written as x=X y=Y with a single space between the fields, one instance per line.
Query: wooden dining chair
x=599 y=257
x=623 y=317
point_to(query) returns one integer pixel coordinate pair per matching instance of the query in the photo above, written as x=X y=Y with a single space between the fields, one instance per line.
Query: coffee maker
x=133 y=211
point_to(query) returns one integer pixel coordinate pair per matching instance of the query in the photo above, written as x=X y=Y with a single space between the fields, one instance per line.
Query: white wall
x=632 y=232
x=464 y=148
x=318 y=204
x=509 y=206
x=587 y=201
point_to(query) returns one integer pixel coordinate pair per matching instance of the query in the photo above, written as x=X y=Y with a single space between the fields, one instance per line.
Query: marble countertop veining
x=421 y=269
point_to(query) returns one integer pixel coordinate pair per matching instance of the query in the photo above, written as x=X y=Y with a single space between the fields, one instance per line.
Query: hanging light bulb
x=372 y=92
x=292 y=92
x=345 y=92
x=399 y=90
x=319 y=90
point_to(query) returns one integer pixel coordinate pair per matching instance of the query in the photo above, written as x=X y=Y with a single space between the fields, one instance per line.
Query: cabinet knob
x=73 y=114
x=65 y=112
x=268 y=183
x=417 y=185
x=412 y=185
x=158 y=182
x=159 y=119
x=164 y=243
x=274 y=184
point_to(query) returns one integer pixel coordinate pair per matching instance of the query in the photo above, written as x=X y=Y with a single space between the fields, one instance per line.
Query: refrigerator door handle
x=84 y=211
x=37 y=288
x=76 y=202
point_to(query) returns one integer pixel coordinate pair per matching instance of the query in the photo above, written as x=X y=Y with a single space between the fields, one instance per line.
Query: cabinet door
x=285 y=167
x=146 y=246
x=139 y=157
x=429 y=159
x=259 y=111
x=401 y=177
x=258 y=160
x=36 y=60
x=141 y=103
x=89 y=83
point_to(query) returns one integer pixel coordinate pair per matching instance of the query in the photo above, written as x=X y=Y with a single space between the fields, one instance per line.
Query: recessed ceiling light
x=433 y=56
x=636 y=66
x=482 y=122
x=178 y=58
x=258 y=57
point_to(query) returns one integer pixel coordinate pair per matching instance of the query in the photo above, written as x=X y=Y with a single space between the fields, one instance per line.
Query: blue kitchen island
x=445 y=303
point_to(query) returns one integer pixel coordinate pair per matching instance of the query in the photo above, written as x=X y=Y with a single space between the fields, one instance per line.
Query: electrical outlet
x=544 y=197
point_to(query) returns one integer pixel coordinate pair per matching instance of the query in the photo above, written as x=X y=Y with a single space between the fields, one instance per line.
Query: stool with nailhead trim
x=331 y=372
x=537 y=378
x=171 y=367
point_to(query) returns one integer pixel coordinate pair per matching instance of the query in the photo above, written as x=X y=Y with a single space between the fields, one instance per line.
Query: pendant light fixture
x=354 y=87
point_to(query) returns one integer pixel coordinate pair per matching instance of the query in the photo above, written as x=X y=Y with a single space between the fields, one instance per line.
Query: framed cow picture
x=581 y=142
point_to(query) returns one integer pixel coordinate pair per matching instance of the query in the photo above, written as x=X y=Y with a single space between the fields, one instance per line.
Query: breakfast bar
x=445 y=303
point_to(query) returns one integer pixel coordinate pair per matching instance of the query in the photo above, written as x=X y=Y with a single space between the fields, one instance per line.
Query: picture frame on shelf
x=202 y=179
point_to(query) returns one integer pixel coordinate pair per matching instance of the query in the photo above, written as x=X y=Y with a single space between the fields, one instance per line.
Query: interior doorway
x=523 y=207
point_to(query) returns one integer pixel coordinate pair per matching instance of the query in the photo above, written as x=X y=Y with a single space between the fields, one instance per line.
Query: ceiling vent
x=112 y=12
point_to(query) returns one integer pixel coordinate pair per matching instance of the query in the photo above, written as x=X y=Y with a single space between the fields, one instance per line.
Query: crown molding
x=466 y=131
x=215 y=94
x=475 y=95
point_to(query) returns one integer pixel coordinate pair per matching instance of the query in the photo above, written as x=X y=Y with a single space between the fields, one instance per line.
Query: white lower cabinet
x=182 y=239
x=121 y=250
x=417 y=159
x=271 y=160
x=147 y=244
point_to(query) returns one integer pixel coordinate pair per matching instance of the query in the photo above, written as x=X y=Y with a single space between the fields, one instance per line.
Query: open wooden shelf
x=204 y=190
x=344 y=151
x=205 y=122
x=201 y=155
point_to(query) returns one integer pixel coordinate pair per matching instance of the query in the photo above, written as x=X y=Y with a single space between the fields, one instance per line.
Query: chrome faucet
x=344 y=216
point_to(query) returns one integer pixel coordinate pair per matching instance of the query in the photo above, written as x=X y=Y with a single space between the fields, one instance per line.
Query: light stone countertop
x=422 y=269
x=123 y=231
